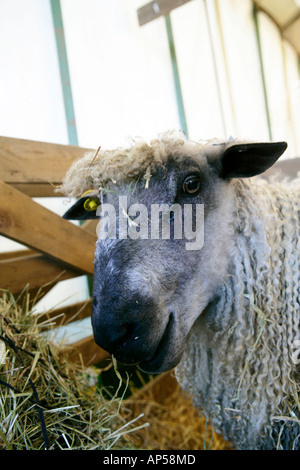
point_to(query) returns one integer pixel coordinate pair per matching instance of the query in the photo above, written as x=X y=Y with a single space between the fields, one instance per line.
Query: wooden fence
x=56 y=249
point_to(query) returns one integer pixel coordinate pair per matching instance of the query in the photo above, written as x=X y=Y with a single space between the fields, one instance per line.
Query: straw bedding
x=174 y=423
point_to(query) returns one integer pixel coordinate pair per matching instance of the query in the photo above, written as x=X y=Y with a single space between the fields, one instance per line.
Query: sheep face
x=148 y=292
x=150 y=286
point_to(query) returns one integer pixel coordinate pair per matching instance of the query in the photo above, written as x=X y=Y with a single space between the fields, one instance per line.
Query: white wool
x=238 y=363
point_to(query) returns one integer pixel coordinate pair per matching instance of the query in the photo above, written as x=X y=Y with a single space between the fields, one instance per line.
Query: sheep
x=225 y=315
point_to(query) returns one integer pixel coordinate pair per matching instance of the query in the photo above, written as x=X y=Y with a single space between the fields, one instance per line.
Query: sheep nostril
x=123 y=334
x=118 y=327
x=113 y=337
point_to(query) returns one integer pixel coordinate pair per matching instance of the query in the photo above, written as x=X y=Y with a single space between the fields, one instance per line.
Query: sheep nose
x=112 y=337
x=120 y=328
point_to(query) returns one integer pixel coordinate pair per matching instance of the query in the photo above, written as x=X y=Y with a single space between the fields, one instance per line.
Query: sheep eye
x=191 y=184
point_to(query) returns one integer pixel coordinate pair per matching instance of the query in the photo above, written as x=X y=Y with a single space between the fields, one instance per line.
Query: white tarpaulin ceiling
x=286 y=14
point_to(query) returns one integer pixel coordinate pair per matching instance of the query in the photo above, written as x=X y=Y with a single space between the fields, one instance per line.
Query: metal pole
x=215 y=70
x=261 y=63
x=178 y=91
x=64 y=71
x=66 y=85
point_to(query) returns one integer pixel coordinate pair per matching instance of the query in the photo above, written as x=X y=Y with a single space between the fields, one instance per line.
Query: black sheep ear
x=245 y=160
x=83 y=209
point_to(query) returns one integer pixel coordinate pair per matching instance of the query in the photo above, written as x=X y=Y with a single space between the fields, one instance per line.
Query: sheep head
x=153 y=281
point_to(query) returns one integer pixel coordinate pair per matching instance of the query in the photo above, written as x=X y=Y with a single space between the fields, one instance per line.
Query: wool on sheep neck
x=238 y=358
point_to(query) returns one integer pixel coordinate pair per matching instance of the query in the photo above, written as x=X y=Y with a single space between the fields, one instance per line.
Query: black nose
x=125 y=329
x=112 y=336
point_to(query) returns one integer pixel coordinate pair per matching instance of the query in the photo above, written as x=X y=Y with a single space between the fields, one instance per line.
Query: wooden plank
x=159 y=387
x=16 y=254
x=153 y=10
x=64 y=315
x=35 y=295
x=37 y=189
x=90 y=225
x=27 y=222
x=37 y=270
x=86 y=351
x=27 y=161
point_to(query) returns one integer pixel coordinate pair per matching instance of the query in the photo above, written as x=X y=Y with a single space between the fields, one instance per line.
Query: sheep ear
x=83 y=209
x=245 y=160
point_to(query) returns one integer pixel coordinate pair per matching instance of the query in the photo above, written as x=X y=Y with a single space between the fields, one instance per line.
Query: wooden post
x=153 y=10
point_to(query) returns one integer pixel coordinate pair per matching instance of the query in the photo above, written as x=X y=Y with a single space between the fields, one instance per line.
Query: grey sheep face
x=149 y=292
x=150 y=286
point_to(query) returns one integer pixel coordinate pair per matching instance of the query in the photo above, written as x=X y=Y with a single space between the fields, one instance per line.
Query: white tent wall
x=121 y=73
x=31 y=101
x=31 y=104
x=281 y=101
x=196 y=69
x=293 y=90
x=122 y=79
x=244 y=80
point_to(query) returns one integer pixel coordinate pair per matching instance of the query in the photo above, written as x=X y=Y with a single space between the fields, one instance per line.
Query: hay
x=45 y=401
x=174 y=423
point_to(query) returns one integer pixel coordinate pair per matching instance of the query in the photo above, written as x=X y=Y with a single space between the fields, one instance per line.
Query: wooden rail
x=27 y=222
x=34 y=269
x=56 y=248
x=35 y=167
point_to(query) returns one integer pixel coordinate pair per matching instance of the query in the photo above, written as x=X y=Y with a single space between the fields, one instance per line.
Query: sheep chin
x=168 y=352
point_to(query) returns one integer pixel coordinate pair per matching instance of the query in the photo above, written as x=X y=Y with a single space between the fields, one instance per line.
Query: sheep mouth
x=162 y=359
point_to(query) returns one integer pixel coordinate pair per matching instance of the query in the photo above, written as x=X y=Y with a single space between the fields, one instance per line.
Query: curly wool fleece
x=96 y=169
x=238 y=362
x=238 y=359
